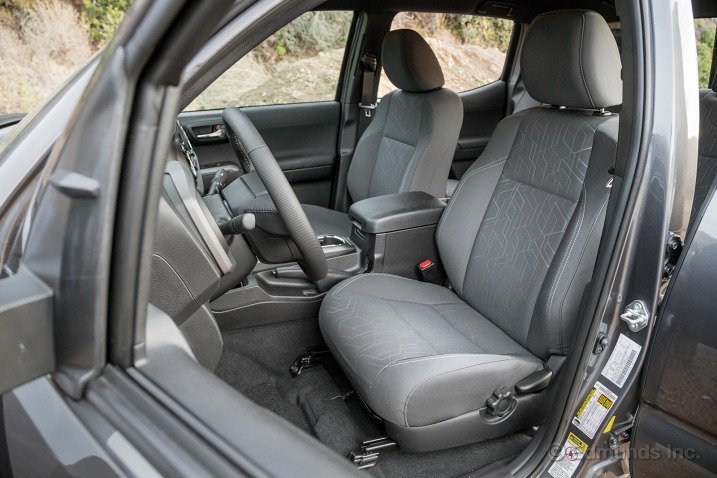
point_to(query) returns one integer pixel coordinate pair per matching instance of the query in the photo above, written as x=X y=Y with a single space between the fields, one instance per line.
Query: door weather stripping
x=636 y=315
x=75 y=185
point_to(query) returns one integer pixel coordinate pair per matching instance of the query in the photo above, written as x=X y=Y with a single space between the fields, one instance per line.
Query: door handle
x=213 y=135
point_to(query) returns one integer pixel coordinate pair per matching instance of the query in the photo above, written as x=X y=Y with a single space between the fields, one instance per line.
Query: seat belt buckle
x=369 y=63
x=427 y=271
x=367 y=109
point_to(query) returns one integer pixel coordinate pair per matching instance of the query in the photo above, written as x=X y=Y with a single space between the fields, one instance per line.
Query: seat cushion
x=327 y=221
x=415 y=352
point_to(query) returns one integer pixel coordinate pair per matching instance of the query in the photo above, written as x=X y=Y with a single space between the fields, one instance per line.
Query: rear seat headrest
x=409 y=62
x=571 y=59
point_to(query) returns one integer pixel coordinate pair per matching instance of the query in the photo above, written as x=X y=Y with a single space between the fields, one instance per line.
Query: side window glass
x=471 y=49
x=705 y=36
x=299 y=63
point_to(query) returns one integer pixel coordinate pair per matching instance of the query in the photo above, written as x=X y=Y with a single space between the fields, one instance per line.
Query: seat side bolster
x=707 y=150
x=363 y=162
x=427 y=390
x=559 y=300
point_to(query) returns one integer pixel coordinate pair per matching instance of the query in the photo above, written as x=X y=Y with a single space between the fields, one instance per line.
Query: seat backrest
x=519 y=237
x=410 y=143
x=707 y=150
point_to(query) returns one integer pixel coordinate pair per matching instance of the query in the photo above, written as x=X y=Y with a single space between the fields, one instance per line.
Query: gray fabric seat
x=403 y=335
x=518 y=240
x=410 y=142
x=707 y=150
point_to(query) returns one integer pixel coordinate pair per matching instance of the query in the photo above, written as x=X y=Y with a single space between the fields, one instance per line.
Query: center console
x=396 y=232
x=389 y=234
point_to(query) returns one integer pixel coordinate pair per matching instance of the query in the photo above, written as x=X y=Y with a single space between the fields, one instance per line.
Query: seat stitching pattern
x=542 y=180
x=327 y=337
x=347 y=282
x=571 y=244
x=577 y=266
x=394 y=160
x=413 y=360
x=416 y=158
x=458 y=190
x=580 y=59
x=438 y=374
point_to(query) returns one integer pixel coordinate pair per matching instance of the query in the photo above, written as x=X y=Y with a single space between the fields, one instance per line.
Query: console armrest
x=394 y=212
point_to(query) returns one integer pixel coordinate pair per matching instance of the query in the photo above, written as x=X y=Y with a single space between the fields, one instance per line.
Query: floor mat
x=256 y=362
x=267 y=396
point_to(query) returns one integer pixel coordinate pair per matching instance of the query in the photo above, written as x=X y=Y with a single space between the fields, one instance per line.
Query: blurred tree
x=102 y=17
x=705 y=36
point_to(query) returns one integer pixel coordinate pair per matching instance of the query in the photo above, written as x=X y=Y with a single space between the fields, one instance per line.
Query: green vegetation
x=705 y=35
x=307 y=36
x=46 y=40
x=102 y=17
x=467 y=29
x=488 y=32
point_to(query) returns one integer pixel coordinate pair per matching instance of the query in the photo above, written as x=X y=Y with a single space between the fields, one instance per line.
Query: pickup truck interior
x=401 y=279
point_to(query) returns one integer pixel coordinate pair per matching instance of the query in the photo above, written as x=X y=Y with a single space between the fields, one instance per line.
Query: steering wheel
x=254 y=154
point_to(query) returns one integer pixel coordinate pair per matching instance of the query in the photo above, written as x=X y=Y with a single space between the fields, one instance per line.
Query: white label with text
x=623 y=358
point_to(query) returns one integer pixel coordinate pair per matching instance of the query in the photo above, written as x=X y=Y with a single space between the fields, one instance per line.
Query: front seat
x=410 y=143
x=707 y=149
x=518 y=240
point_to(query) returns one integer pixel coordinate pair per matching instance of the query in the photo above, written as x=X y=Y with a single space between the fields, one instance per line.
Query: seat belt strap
x=369 y=63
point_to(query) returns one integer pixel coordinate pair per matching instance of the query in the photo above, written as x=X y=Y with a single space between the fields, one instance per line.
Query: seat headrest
x=409 y=62
x=570 y=58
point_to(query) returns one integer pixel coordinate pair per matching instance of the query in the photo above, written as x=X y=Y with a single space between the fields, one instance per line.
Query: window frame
x=338 y=88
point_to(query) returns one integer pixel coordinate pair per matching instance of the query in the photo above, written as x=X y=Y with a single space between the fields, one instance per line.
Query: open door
x=676 y=428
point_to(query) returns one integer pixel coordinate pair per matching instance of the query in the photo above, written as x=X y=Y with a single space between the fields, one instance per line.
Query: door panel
x=678 y=417
x=302 y=136
x=483 y=108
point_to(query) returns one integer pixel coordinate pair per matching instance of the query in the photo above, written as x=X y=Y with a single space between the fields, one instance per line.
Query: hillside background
x=44 y=41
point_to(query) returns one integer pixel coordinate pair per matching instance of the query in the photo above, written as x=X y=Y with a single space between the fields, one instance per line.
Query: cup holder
x=326 y=241
x=335 y=245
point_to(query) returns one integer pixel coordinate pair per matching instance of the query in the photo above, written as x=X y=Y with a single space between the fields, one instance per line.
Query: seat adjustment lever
x=501 y=403
x=367 y=457
x=534 y=382
x=311 y=358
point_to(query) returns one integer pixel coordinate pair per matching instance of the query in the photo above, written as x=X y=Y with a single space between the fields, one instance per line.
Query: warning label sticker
x=569 y=458
x=594 y=409
x=621 y=360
